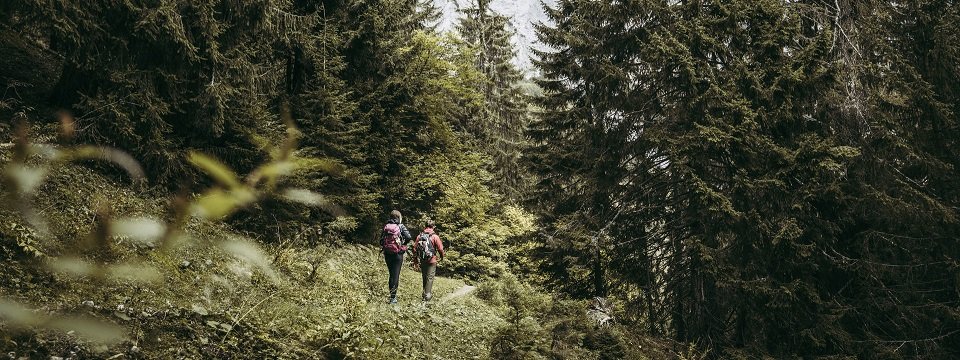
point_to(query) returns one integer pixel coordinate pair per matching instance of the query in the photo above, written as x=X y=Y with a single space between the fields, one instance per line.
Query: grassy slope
x=208 y=304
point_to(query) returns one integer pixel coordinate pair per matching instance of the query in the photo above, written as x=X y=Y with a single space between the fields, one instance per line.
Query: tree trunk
x=599 y=285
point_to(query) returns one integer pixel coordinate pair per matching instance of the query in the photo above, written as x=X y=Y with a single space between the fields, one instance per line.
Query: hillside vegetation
x=720 y=179
x=209 y=302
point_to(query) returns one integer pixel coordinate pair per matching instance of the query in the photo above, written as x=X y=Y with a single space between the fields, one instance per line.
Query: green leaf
x=274 y=170
x=91 y=330
x=71 y=266
x=134 y=272
x=216 y=169
x=305 y=197
x=143 y=229
x=250 y=253
x=218 y=203
x=122 y=159
x=17 y=314
x=27 y=179
x=45 y=151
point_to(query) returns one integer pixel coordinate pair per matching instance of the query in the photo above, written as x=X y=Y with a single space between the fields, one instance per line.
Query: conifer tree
x=705 y=154
x=901 y=202
x=157 y=79
x=502 y=124
x=319 y=102
x=398 y=76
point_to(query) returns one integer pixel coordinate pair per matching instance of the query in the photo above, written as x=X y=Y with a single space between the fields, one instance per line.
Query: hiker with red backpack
x=394 y=241
x=428 y=250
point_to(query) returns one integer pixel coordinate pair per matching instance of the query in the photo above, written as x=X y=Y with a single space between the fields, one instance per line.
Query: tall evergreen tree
x=701 y=159
x=319 y=101
x=155 y=79
x=502 y=124
x=398 y=78
x=901 y=209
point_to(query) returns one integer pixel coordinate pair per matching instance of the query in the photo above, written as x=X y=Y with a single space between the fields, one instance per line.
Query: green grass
x=327 y=302
x=321 y=303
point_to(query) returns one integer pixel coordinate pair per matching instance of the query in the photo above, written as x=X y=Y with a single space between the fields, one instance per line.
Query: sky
x=523 y=14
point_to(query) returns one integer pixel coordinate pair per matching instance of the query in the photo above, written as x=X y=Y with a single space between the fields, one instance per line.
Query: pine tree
x=892 y=275
x=706 y=154
x=407 y=100
x=502 y=124
x=158 y=79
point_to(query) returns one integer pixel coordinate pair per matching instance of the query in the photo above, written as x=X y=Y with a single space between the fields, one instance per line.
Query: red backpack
x=390 y=242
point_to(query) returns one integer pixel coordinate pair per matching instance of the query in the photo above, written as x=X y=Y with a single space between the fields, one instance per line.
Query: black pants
x=394 y=264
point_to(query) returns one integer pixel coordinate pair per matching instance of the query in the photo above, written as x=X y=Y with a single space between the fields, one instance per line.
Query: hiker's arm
x=405 y=234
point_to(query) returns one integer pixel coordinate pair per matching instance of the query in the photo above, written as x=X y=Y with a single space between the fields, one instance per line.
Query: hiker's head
x=395 y=215
x=431 y=224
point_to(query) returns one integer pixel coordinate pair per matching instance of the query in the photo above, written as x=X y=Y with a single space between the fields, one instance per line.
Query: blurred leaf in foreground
x=24 y=178
x=18 y=316
x=218 y=203
x=144 y=230
x=216 y=169
x=71 y=266
x=250 y=253
x=91 y=330
x=136 y=272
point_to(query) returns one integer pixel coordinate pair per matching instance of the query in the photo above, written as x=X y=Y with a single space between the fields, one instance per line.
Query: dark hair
x=395 y=215
x=431 y=224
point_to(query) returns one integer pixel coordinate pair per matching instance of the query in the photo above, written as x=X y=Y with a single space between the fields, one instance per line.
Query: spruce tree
x=331 y=145
x=501 y=125
x=154 y=79
x=407 y=100
x=702 y=160
x=580 y=149
x=892 y=276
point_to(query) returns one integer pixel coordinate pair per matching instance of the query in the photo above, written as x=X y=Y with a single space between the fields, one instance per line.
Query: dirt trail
x=461 y=292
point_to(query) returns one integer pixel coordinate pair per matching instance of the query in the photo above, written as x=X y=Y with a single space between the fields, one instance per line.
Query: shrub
x=524 y=339
x=473 y=267
x=491 y=291
x=607 y=342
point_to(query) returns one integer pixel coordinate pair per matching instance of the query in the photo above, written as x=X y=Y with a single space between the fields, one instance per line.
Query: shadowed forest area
x=735 y=179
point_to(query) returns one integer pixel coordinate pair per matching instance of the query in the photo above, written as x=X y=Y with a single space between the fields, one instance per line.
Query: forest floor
x=217 y=295
x=306 y=303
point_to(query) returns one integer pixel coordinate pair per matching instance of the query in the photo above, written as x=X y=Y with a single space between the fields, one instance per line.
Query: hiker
x=427 y=250
x=394 y=241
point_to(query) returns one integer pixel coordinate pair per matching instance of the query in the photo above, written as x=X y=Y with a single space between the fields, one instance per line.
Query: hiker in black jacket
x=394 y=247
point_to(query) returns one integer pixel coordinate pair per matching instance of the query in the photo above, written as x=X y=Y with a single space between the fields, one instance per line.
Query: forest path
x=461 y=292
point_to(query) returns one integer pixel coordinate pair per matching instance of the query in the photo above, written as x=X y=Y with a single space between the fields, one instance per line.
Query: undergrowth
x=324 y=302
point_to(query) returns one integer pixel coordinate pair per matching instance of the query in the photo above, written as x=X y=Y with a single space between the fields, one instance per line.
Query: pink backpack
x=391 y=240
